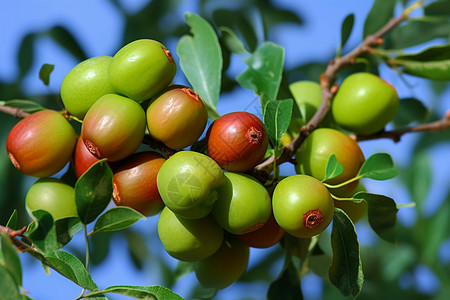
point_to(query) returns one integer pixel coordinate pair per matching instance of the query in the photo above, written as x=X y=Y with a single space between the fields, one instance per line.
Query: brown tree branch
x=396 y=134
x=14 y=111
x=328 y=90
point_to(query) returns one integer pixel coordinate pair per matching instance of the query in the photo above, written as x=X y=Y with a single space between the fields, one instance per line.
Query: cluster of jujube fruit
x=211 y=210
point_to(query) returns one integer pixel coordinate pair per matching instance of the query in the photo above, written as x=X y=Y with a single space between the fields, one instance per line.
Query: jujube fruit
x=82 y=159
x=85 y=84
x=302 y=206
x=177 y=117
x=312 y=156
x=225 y=266
x=244 y=204
x=52 y=195
x=188 y=239
x=364 y=103
x=266 y=236
x=134 y=182
x=237 y=141
x=114 y=127
x=188 y=182
x=41 y=144
x=141 y=69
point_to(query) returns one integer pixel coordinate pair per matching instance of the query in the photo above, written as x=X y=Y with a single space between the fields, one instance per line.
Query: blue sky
x=98 y=26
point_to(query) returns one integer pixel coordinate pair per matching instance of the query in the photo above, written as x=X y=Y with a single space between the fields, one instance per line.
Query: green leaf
x=8 y=286
x=26 y=105
x=410 y=110
x=382 y=214
x=66 y=228
x=138 y=248
x=432 y=63
x=26 y=54
x=10 y=259
x=380 y=13
x=201 y=61
x=345 y=271
x=333 y=168
x=264 y=71
x=66 y=40
x=418 y=178
x=13 y=221
x=277 y=117
x=143 y=292
x=183 y=268
x=287 y=285
x=416 y=32
x=346 y=30
x=43 y=233
x=438 y=8
x=93 y=191
x=71 y=267
x=231 y=41
x=44 y=73
x=117 y=218
x=378 y=166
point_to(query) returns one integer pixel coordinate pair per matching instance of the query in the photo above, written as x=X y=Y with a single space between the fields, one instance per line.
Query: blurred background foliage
x=417 y=266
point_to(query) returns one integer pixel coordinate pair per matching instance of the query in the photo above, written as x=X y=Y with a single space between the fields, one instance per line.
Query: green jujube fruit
x=188 y=183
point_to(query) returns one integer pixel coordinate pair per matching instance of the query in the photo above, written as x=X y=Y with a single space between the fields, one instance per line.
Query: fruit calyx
x=312 y=219
x=191 y=93
x=169 y=55
x=253 y=135
x=92 y=147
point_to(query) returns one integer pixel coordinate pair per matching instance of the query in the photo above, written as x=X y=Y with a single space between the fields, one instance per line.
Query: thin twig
x=327 y=80
x=14 y=111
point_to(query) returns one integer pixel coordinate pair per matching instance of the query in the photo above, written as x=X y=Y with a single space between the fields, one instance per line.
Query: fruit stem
x=335 y=186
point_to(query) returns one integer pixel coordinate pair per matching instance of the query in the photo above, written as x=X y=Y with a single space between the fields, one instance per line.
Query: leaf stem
x=335 y=186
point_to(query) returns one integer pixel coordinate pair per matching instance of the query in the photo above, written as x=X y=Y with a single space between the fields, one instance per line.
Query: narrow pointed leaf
x=432 y=63
x=43 y=233
x=410 y=110
x=26 y=105
x=231 y=41
x=8 y=287
x=66 y=40
x=26 y=54
x=143 y=292
x=380 y=13
x=333 y=168
x=345 y=271
x=382 y=214
x=438 y=8
x=10 y=259
x=71 y=267
x=117 y=218
x=263 y=74
x=93 y=191
x=277 y=116
x=44 y=73
x=287 y=285
x=201 y=61
x=378 y=166
x=346 y=30
x=13 y=220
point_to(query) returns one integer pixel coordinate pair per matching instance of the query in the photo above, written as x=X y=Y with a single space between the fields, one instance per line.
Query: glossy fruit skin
x=82 y=158
x=177 y=117
x=244 y=204
x=312 y=156
x=188 y=182
x=265 y=237
x=114 y=127
x=134 y=182
x=41 y=144
x=225 y=266
x=237 y=141
x=364 y=103
x=52 y=195
x=189 y=239
x=85 y=84
x=141 y=69
x=302 y=206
